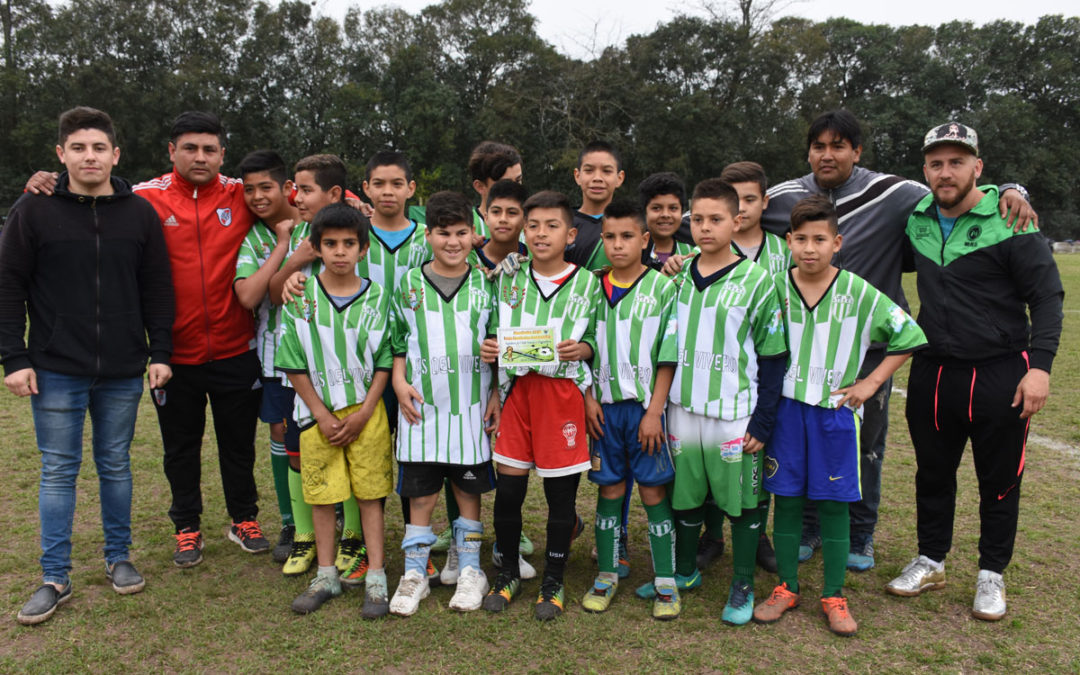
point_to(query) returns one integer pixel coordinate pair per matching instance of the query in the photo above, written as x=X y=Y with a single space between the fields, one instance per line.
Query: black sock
x=561 y=494
x=509 y=496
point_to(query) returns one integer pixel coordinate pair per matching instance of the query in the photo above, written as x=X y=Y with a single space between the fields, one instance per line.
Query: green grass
x=232 y=612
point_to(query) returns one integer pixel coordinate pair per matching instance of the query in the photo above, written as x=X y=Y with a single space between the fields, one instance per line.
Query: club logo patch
x=731 y=451
x=841 y=306
x=513 y=295
x=414 y=297
x=569 y=432
x=224 y=217
x=771 y=466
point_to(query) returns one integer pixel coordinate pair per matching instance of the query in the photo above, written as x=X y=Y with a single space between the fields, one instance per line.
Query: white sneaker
x=921 y=574
x=449 y=574
x=472 y=585
x=989 y=596
x=527 y=570
x=412 y=588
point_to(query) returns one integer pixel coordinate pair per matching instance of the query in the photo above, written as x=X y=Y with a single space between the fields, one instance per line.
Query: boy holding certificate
x=545 y=342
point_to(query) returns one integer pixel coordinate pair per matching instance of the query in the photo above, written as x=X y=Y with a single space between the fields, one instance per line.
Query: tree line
x=696 y=93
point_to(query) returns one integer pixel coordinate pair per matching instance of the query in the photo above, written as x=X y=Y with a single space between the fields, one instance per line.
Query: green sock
x=714 y=520
x=301 y=510
x=279 y=467
x=763 y=514
x=835 y=544
x=452 y=510
x=662 y=538
x=351 y=512
x=787 y=529
x=608 y=517
x=687 y=530
x=744 y=538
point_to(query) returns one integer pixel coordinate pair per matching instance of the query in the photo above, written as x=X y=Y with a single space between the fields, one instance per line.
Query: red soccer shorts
x=543 y=426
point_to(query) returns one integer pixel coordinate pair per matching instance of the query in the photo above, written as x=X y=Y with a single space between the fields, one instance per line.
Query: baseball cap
x=952 y=132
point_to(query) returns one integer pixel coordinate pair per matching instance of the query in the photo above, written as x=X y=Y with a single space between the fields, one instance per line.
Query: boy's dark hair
x=814 y=208
x=447 y=208
x=550 y=199
x=507 y=189
x=714 y=188
x=339 y=216
x=197 y=122
x=388 y=158
x=663 y=183
x=490 y=160
x=600 y=146
x=269 y=161
x=745 y=172
x=841 y=122
x=328 y=170
x=83 y=117
x=624 y=208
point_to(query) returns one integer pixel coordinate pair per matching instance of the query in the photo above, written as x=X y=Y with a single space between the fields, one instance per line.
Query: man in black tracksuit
x=986 y=370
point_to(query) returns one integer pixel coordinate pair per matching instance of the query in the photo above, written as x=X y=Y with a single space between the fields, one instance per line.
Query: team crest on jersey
x=644 y=306
x=307 y=309
x=417 y=254
x=776 y=324
x=569 y=432
x=224 y=217
x=479 y=299
x=841 y=306
x=368 y=318
x=576 y=307
x=731 y=294
x=513 y=295
x=414 y=297
x=777 y=262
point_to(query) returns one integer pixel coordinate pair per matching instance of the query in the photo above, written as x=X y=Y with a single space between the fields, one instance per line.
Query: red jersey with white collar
x=204 y=226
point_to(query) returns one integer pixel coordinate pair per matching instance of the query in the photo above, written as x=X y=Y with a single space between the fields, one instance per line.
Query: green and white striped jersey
x=387 y=266
x=339 y=349
x=829 y=340
x=569 y=311
x=722 y=329
x=440 y=339
x=774 y=254
x=633 y=337
x=254 y=252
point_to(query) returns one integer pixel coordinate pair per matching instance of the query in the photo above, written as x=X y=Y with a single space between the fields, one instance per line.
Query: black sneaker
x=708 y=550
x=550 y=602
x=43 y=603
x=124 y=577
x=280 y=552
x=502 y=591
x=249 y=535
x=189 y=545
x=766 y=556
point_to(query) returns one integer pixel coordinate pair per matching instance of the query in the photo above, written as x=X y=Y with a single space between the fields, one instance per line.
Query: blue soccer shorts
x=618 y=453
x=814 y=452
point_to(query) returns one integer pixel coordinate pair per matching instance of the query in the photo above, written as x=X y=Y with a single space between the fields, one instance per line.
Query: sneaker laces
x=188 y=541
x=300 y=547
x=780 y=594
x=549 y=589
x=836 y=605
x=410 y=585
x=987 y=585
x=350 y=546
x=249 y=529
x=503 y=580
x=468 y=581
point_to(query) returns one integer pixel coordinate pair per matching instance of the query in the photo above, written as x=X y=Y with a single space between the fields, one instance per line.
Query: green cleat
x=442 y=542
x=646 y=591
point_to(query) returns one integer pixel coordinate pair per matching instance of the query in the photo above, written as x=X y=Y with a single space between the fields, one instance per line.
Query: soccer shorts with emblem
x=543 y=426
x=814 y=452
x=363 y=468
x=618 y=454
x=708 y=456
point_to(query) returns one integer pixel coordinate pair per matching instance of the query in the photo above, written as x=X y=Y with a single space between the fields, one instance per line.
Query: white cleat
x=472 y=585
x=412 y=588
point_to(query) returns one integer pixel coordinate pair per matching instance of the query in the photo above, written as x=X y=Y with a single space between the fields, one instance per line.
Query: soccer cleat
x=646 y=591
x=249 y=535
x=433 y=576
x=780 y=600
x=348 y=549
x=666 y=604
x=740 y=604
x=525 y=546
x=598 y=598
x=443 y=541
x=412 y=588
x=921 y=574
x=376 y=605
x=579 y=527
x=280 y=552
x=357 y=574
x=502 y=592
x=550 y=601
x=124 y=577
x=623 y=567
x=189 y=545
x=766 y=556
x=525 y=570
x=318 y=592
x=809 y=544
x=840 y=619
x=42 y=604
x=471 y=587
x=708 y=550
x=301 y=555
x=861 y=556
x=989 y=596
x=450 y=571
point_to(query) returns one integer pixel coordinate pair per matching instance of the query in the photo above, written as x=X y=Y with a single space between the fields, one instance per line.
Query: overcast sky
x=579 y=28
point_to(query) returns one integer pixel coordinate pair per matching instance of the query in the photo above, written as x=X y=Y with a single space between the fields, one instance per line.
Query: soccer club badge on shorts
x=569 y=432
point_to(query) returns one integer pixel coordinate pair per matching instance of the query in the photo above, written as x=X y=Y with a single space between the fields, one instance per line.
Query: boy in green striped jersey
x=335 y=350
x=266 y=193
x=442 y=311
x=831 y=317
x=505 y=219
x=542 y=424
x=663 y=197
x=398 y=243
x=636 y=342
x=727 y=383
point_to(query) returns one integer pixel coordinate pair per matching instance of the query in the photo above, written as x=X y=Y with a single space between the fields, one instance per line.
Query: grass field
x=232 y=612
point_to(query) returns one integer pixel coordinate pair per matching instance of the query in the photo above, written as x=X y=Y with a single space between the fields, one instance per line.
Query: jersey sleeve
x=668 y=354
x=398 y=330
x=247 y=261
x=589 y=337
x=289 y=357
x=770 y=338
x=893 y=325
x=493 y=315
x=384 y=359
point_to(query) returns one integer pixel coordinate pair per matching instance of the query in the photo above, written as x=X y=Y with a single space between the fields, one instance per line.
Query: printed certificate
x=527 y=347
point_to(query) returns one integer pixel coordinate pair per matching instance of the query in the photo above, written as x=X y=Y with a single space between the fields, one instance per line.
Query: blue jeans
x=59 y=410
